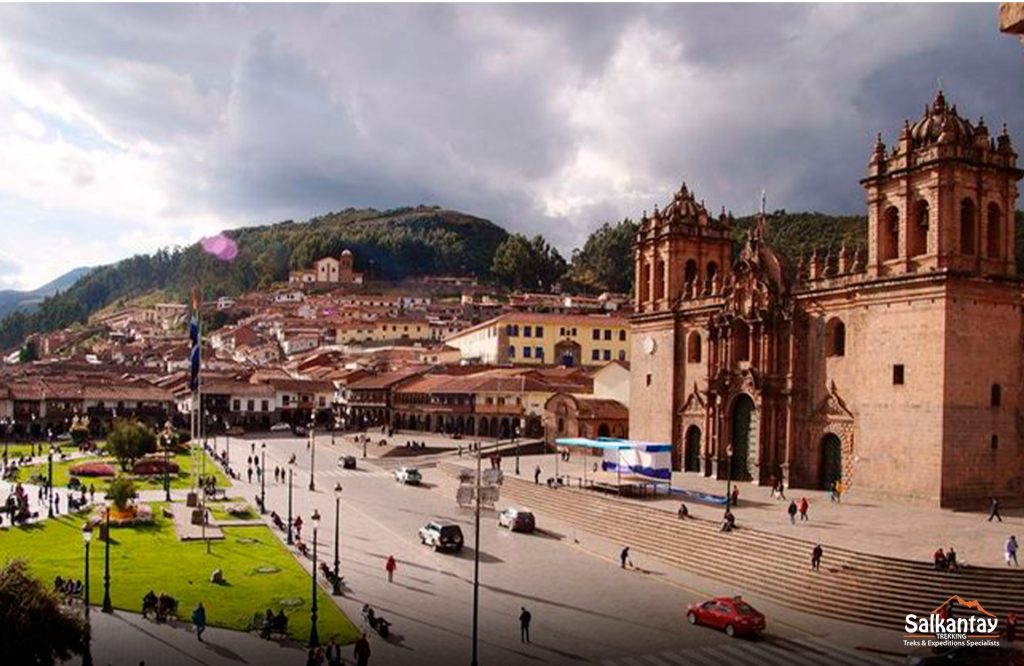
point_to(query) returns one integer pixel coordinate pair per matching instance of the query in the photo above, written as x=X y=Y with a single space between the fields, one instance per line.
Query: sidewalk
x=862 y=522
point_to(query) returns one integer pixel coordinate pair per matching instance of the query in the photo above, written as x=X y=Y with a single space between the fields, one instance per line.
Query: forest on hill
x=409 y=242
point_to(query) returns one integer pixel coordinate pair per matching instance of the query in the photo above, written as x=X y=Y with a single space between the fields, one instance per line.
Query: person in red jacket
x=390 y=568
x=803 y=506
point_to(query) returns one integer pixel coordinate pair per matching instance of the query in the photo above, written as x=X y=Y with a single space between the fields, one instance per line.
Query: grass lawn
x=219 y=513
x=62 y=473
x=259 y=570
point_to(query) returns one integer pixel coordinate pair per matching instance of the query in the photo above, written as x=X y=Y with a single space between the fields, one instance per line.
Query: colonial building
x=534 y=338
x=898 y=372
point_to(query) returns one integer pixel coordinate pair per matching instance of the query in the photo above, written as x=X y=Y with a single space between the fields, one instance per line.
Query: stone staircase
x=863 y=588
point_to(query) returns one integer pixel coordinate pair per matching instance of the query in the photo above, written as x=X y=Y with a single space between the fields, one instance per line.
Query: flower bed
x=154 y=466
x=136 y=514
x=93 y=469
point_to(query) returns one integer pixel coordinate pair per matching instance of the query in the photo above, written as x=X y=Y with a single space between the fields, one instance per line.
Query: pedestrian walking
x=792 y=512
x=333 y=653
x=1011 y=627
x=993 y=509
x=816 y=557
x=390 y=568
x=624 y=557
x=536 y=476
x=735 y=495
x=803 y=506
x=1011 y=551
x=92 y=493
x=56 y=504
x=199 y=620
x=774 y=484
x=781 y=491
x=840 y=489
x=832 y=496
x=362 y=651
x=250 y=474
x=249 y=461
x=524 y=625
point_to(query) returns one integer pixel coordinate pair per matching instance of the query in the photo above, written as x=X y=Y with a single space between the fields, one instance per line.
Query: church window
x=741 y=348
x=645 y=281
x=835 y=337
x=897 y=375
x=994 y=232
x=690 y=271
x=967 y=227
x=996 y=396
x=712 y=271
x=994 y=442
x=918 y=239
x=693 y=349
x=659 y=279
x=889 y=240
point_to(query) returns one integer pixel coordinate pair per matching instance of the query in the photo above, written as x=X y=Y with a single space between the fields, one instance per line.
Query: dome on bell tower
x=941 y=124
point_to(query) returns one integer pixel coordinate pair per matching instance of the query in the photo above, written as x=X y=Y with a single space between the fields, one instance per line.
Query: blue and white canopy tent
x=649 y=462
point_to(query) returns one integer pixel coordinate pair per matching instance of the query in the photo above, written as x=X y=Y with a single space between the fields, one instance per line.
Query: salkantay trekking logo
x=941 y=628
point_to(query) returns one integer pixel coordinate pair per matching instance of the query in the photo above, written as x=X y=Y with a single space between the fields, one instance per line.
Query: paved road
x=585 y=608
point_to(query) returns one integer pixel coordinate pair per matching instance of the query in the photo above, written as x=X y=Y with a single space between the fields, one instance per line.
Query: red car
x=731 y=614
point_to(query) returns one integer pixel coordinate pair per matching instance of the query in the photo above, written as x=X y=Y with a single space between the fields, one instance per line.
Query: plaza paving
x=585 y=608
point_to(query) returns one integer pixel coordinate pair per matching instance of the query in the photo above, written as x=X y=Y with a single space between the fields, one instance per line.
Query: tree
x=129 y=441
x=29 y=352
x=605 y=262
x=521 y=263
x=35 y=628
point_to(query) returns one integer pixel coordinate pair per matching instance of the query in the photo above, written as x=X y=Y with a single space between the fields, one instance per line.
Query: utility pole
x=476 y=563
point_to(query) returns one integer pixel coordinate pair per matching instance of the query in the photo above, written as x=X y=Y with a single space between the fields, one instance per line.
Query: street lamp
x=728 y=477
x=107 y=607
x=336 y=590
x=167 y=462
x=476 y=561
x=87 y=653
x=312 y=453
x=263 y=479
x=515 y=439
x=314 y=636
x=49 y=482
x=290 y=540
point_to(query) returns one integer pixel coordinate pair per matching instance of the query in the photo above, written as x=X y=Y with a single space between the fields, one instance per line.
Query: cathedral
x=897 y=371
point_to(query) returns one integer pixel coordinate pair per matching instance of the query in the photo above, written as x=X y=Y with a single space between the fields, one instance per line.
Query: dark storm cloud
x=545 y=118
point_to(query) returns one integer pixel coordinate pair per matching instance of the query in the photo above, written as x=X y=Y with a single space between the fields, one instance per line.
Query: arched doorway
x=744 y=437
x=831 y=460
x=691 y=454
x=602 y=430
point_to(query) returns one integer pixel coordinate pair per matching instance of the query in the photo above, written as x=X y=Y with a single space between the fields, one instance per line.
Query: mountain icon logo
x=956 y=598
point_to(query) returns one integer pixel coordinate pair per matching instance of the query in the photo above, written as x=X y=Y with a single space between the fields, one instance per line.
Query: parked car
x=731 y=614
x=517 y=520
x=442 y=536
x=409 y=476
x=975 y=655
x=299 y=431
x=280 y=427
x=347 y=462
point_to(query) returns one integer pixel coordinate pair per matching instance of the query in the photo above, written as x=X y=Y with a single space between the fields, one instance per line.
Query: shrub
x=121 y=492
x=93 y=469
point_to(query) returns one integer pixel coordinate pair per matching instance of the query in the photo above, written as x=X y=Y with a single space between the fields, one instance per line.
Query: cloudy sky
x=128 y=128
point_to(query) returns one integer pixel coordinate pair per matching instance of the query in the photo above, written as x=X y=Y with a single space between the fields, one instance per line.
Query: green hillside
x=387 y=244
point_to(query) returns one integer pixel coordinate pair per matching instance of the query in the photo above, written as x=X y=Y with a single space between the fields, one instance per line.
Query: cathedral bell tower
x=943 y=198
x=680 y=251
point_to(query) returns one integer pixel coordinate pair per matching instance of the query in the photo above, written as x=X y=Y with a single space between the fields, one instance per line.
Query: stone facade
x=899 y=372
